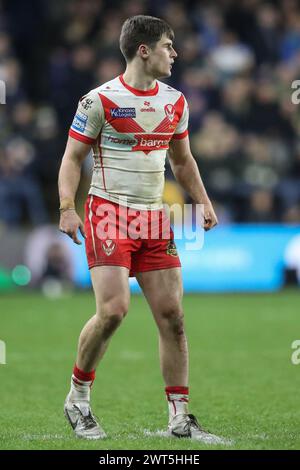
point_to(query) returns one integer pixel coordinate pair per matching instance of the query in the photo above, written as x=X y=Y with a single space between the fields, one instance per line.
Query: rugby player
x=130 y=123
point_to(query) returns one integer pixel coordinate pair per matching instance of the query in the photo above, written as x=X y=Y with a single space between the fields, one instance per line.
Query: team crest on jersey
x=170 y=111
x=123 y=112
x=108 y=247
x=171 y=249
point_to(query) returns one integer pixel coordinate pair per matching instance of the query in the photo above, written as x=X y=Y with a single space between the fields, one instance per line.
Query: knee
x=171 y=319
x=111 y=315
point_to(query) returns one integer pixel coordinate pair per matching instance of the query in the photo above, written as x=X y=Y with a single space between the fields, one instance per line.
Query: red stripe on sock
x=177 y=390
x=173 y=403
x=84 y=376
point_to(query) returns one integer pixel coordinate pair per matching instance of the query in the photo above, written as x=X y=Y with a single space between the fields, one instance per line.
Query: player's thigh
x=163 y=290
x=111 y=288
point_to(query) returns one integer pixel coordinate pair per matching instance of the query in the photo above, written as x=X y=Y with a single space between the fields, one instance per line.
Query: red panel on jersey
x=166 y=124
x=119 y=124
x=149 y=142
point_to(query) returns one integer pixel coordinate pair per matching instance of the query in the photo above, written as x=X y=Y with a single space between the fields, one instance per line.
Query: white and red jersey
x=130 y=131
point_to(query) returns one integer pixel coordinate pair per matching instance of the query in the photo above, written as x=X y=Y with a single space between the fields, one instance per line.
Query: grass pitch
x=243 y=385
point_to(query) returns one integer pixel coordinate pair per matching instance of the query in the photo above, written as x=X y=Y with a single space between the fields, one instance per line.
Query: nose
x=174 y=53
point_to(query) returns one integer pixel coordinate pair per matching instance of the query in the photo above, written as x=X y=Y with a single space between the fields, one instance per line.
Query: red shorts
x=120 y=236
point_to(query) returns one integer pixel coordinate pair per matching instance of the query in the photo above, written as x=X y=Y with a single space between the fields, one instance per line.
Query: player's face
x=162 y=57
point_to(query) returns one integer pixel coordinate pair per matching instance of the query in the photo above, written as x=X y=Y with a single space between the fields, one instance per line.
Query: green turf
x=243 y=385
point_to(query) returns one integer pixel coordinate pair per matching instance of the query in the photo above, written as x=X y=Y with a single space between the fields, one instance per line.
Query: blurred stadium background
x=237 y=61
x=236 y=65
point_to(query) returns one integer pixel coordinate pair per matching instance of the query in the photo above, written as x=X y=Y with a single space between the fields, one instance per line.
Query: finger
x=207 y=223
x=75 y=238
x=81 y=228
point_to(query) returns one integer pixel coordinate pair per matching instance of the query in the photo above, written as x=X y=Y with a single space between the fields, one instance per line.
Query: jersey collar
x=137 y=92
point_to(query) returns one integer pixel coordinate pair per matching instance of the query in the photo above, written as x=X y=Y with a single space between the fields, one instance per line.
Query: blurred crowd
x=237 y=61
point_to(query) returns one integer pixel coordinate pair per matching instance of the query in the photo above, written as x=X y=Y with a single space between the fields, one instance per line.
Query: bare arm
x=68 y=181
x=187 y=174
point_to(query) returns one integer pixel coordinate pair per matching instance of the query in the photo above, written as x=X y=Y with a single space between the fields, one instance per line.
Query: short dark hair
x=142 y=29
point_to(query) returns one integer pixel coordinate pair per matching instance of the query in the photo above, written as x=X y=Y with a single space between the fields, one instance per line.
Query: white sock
x=80 y=390
x=178 y=398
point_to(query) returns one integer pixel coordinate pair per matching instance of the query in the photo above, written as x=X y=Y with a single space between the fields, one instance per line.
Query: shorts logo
x=79 y=122
x=108 y=247
x=123 y=112
x=170 y=111
x=171 y=249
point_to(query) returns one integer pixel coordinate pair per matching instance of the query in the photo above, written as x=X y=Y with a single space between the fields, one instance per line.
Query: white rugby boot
x=186 y=425
x=82 y=420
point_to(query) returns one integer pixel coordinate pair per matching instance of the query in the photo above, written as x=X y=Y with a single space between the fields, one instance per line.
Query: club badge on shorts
x=108 y=247
x=171 y=249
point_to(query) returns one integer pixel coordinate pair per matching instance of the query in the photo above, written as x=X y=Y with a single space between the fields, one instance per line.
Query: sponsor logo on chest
x=147 y=108
x=123 y=112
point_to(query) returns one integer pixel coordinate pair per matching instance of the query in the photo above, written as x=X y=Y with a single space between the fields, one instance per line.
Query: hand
x=69 y=223
x=210 y=218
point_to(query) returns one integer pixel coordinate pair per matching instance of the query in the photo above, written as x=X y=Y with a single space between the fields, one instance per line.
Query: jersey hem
x=122 y=202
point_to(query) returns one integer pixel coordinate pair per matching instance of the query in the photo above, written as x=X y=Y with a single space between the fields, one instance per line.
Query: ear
x=143 y=51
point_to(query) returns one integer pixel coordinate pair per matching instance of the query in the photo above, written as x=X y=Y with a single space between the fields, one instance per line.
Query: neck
x=137 y=77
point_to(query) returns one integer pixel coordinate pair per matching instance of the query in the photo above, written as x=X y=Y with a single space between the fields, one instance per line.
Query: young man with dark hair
x=130 y=122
